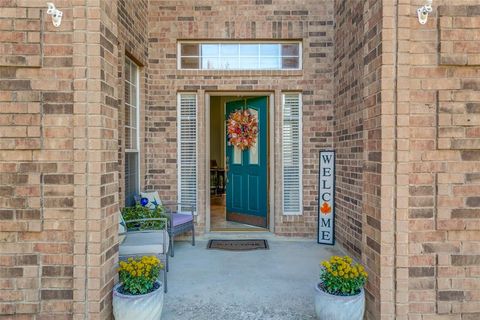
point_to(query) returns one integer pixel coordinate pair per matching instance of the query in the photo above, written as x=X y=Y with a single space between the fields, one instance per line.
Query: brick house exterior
x=397 y=100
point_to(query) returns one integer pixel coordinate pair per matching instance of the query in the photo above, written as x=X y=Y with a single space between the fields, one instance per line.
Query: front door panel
x=247 y=186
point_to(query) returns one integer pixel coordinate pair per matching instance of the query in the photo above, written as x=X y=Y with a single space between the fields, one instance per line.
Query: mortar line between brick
x=435 y=221
x=42 y=124
x=42 y=35
x=437 y=118
x=42 y=214
x=395 y=157
x=87 y=149
x=438 y=39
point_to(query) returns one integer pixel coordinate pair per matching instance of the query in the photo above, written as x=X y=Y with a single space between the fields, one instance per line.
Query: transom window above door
x=240 y=55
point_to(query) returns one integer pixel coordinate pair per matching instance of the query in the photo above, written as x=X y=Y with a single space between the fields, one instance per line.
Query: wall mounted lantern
x=55 y=13
x=423 y=12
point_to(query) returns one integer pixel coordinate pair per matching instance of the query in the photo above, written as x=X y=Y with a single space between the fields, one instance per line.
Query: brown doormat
x=238 y=245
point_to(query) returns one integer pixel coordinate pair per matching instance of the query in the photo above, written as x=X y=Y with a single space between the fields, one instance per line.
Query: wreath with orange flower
x=242 y=129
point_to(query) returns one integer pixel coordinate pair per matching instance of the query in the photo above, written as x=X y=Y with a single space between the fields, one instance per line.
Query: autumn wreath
x=242 y=128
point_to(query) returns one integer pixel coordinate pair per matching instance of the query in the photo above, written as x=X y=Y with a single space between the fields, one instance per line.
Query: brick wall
x=58 y=160
x=36 y=180
x=438 y=162
x=170 y=21
x=357 y=137
x=348 y=120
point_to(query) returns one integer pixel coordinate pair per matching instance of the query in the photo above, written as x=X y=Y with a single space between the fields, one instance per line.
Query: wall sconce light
x=55 y=13
x=423 y=12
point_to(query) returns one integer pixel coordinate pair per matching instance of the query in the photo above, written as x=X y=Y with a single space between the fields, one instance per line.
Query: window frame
x=137 y=114
x=245 y=42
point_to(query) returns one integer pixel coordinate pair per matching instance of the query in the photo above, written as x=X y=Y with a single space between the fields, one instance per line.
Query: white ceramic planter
x=145 y=306
x=330 y=307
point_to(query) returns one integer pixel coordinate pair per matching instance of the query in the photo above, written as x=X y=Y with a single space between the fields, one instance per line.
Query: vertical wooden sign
x=326 y=198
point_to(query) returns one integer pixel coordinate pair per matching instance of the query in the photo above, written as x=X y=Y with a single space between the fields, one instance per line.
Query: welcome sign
x=326 y=198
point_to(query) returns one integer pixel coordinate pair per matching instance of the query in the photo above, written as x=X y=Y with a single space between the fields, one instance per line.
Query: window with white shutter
x=187 y=150
x=292 y=153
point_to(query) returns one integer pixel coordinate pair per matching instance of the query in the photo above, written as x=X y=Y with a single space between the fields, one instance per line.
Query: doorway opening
x=239 y=186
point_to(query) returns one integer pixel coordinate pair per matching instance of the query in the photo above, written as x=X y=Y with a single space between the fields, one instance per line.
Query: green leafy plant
x=340 y=276
x=138 y=275
x=140 y=212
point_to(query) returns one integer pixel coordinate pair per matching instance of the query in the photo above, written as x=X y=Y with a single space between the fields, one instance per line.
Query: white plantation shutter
x=187 y=150
x=292 y=153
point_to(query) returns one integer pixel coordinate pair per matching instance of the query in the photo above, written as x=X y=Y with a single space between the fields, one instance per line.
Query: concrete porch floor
x=275 y=284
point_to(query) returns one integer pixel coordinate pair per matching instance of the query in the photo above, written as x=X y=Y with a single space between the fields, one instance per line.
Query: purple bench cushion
x=179 y=218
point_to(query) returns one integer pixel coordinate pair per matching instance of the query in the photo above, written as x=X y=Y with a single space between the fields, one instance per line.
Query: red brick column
x=96 y=154
x=440 y=120
x=36 y=153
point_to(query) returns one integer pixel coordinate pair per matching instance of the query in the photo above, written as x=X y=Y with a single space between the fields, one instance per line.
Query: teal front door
x=247 y=185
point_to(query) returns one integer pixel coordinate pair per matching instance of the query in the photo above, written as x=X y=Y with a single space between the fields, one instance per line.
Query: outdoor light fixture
x=423 y=12
x=55 y=13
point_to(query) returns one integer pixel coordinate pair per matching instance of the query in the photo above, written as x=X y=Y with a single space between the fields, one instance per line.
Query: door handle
x=226 y=170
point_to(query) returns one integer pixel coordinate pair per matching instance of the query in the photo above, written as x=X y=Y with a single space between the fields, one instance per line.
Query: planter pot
x=331 y=307
x=144 y=306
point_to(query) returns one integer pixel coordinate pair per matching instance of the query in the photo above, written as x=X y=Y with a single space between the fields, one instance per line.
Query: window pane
x=133 y=117
x=131 y=178
x=189 y=49
x=269 y=63
x=189 y=63
x=127 y=92
x=241 y=56
x=127 y=69
x=248 y=63
x=133 y=73
x=253 y=151
x=229 y=63
x=209 y=50
x=210 y=63
x=127 y=115
x=131 y=105
x=229 y=50
x=133 y=144
x=237 y=155
x=249 y=50
x=290 y=49
x=128 y=138
x=133 y=95
x=290 y=63
x=269 y=50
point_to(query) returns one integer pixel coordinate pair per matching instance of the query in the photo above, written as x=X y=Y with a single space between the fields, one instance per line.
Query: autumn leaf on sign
x=325 y=208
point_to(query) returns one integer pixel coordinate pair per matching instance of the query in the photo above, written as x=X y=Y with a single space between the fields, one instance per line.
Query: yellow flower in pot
x=139 y=295
x=340 y=294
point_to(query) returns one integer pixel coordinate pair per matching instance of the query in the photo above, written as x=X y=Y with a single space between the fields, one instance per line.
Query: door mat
x=238 y=245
